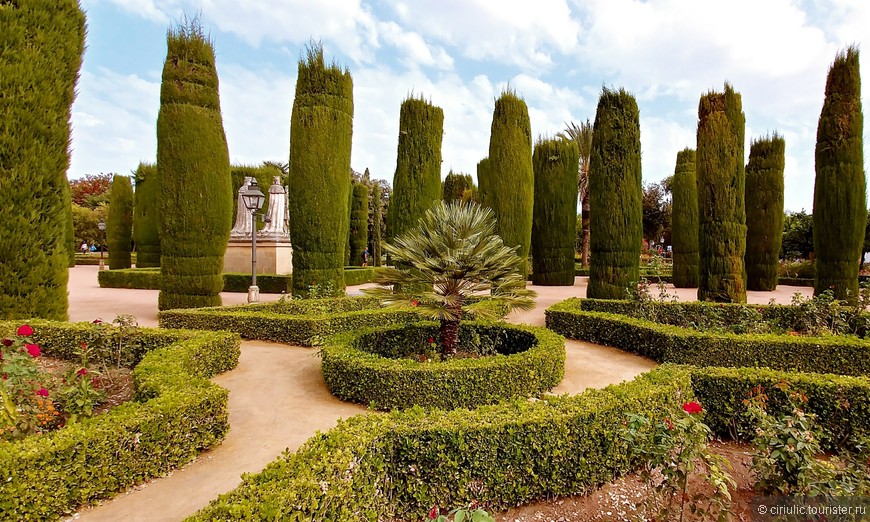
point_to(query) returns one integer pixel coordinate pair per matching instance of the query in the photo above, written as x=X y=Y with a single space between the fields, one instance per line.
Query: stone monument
x=274 y=251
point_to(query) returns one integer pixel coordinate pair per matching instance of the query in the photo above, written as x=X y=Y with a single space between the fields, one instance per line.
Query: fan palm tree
x=582 y=135
x=455 y=252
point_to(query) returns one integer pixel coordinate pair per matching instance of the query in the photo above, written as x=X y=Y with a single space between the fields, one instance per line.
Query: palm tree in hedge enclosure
x=42 y=46
x=119 y=224
x=721 y=197
x=684 y=229
x=455 y=186
x=582 y=136
x=321 y=129
x=194 y=169
x=146 y=216
x=483 y=188
x=554 y=225
x=840 y=196
x=510 y=176
x=454 y=252
x=615 y=196
x=765 y=211
x=359 y=221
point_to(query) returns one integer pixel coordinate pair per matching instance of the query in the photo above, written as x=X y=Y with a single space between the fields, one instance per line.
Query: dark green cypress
x=684 y=235
x=511 y=181
x=321 y=129
x=840 y=198
x=194 y=170
x=554 y=227
x=264 y=175
x=765 y=211
x=377 y=219
x=41 y=46
x=146 y=216
x=615 y=196
x=359 y=221
x=483 y=182
x=721 y=192
x=417 y=182
x=119 y=222
x=454 y=186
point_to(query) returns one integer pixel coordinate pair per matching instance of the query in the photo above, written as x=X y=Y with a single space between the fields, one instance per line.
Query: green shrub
x=405 y=462
x=765 y=213
x=375 y=366
x=42 y=43
x=119 y=223
x=454 y=186
x=176 y=413
x=194 y=170
x=146 y=216
x=93 y=258
x=149 y=279
x=356 y=275
x=842 y=355
x=684 y=235
x=320 y=141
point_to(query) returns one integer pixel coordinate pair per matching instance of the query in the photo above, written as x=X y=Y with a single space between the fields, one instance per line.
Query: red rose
x=7 y=342
x=97 y=321
x=42 y=392
x=82 y=371
x=84 y=346
x=414 y=302
x=431 y=340
x=33 y=350
x=692 y=408
x=25 y=330
x=433 y=513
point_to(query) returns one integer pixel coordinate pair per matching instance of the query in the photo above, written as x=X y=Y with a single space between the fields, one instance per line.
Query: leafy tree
x=797 y=236
x=840 y=196
x=765 y=189
x=455 y=253
x=86 y=223
x=582 y=136
x=91 y=190
x=684 y=238
x=656 y=212
x=119 y=226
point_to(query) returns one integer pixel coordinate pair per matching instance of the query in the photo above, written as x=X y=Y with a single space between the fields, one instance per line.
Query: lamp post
x=253 y=199
x=102 y=226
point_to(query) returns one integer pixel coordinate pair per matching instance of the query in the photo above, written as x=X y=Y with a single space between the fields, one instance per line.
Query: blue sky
x=461 y=54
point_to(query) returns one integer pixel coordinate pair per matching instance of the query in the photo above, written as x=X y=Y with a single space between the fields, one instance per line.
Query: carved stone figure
x=276 y=225
x=242 y=228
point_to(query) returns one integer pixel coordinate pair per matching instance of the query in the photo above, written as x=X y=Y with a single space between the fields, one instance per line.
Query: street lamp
x=253 y=199
x=102 y=226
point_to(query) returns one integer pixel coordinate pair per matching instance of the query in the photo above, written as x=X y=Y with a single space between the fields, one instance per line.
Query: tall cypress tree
x=119 y=222
x=765 y=211
x=321 y=129
x=455 y=185
x=377 y=228
x=194 y=170
x=615 y=196
x=554 y=227
x=359 y=221
x=840 y=198
x=41 y=46
x=417 y=182
x=721 y=192
x=511 y=180
x=146 y=216
x=483 y=190
x=684 y=235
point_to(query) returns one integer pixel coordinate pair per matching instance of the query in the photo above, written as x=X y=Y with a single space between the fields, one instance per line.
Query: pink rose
x=33 y=350
x=42 y=392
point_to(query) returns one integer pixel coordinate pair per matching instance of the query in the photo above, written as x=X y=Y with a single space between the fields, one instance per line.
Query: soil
x=116 y=382
x=622 y=499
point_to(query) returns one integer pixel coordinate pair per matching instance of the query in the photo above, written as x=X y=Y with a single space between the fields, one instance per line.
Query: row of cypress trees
x=146 y=216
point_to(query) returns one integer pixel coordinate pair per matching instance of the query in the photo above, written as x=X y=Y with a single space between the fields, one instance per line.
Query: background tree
x=194 y=169
x=455 y=185
x=721 y=192
x=119 y=225
x=87 y=224
x=483 y=188
x=615 y=195
x=455 y=253
x=840 y=196
x=146 y=216
x=797 y=236
x=656 y=204
x=684 y=238
x=582 y=136
x=359 y=230
x=511 y=182
x=554 y=224
x=321 y=129
x=91 y=190
x=765 y=189
x=42 y=42
x=376 y=224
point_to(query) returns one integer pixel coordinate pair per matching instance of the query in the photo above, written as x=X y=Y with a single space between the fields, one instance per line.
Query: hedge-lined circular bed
x=381 y=366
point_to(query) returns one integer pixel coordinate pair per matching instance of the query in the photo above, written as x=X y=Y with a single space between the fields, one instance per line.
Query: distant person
x=84 y=247
x=365 y=256
x=94 y=247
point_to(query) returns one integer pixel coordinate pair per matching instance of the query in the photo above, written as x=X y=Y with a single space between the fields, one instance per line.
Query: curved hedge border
x=298 y=321
x=367 y=366
x=380 y=466
x=176 y=414
x=664 y=343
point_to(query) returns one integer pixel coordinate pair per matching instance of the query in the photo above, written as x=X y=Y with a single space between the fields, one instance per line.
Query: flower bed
x=372 y=366
x=576 y=319
x=176 y=414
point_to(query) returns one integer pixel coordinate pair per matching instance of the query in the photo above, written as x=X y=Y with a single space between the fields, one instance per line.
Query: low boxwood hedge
x=371 y=366
x=841 y=355
x=400 y=464
x=357 y=275
x=149 y=279
x=176 y=413
x=93 y=258
x=299 y=321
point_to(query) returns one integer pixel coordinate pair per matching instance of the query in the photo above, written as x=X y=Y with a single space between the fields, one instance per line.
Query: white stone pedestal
x=273 y=257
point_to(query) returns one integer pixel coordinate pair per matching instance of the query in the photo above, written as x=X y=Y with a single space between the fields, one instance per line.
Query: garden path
x=278 y=399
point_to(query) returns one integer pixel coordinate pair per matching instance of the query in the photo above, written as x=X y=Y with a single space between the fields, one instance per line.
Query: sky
x=461 y=54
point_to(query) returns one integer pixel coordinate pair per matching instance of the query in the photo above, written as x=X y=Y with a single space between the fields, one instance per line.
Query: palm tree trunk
x=449 y=333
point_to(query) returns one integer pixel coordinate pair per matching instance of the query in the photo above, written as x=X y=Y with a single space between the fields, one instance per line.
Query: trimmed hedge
x=379 y=466
x=176 y=413
x=93 y=258
x=665 y=343
x=371 y=366
x=300 y=321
